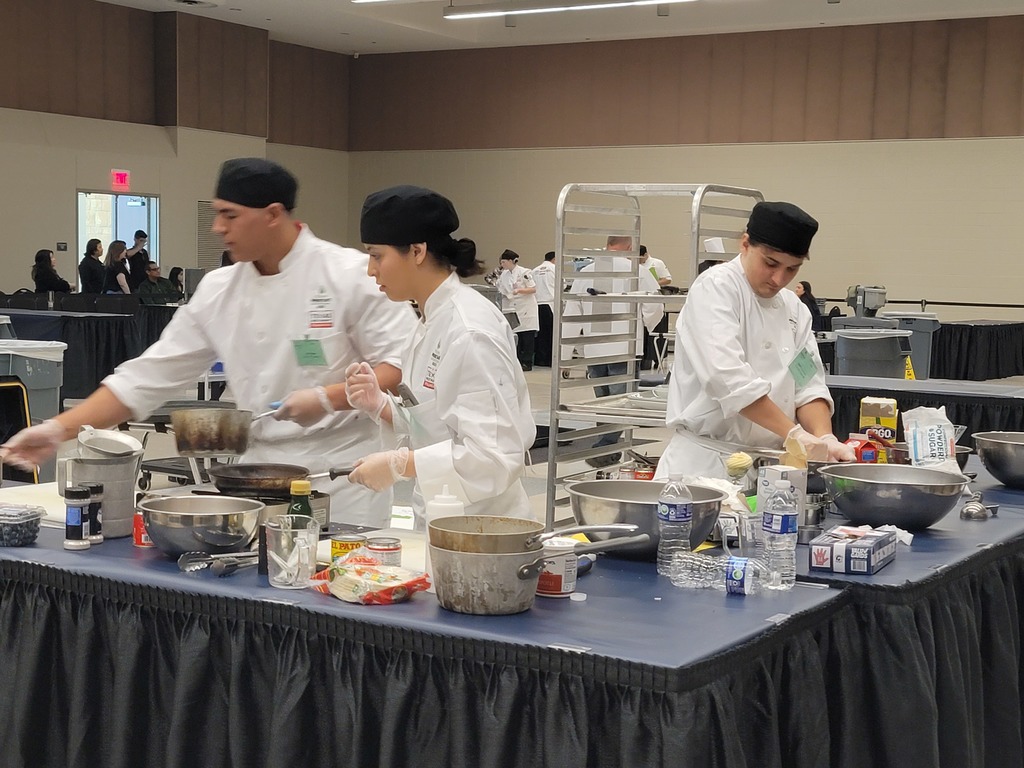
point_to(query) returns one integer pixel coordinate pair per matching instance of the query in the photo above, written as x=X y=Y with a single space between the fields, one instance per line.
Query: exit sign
x=120 y=181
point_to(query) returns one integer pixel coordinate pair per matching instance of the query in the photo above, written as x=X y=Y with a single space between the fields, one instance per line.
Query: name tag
x=309 y=352
x=803 y=368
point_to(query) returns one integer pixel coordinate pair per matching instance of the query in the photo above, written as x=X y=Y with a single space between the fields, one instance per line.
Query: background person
x=90 y=268
x=472 y=425
x=517 y=285
x=544 y=278
x=157 y=289
x=138 y=258
x=286 y=320
x=115 y=269
x=803 y=291
x=44 y=274
x=746 y=368
x=177 y=278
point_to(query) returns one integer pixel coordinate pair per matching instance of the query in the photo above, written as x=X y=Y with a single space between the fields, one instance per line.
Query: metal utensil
x=197 y=561
x=229 y=565
x=408 y=398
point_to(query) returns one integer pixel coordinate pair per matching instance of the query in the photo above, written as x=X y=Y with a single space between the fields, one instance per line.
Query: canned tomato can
x=643 y=473
x=385 y=549
x=343 y=543
x=558 y=579
x=139 y=536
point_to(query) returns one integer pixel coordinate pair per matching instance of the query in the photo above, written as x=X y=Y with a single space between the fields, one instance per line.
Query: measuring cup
x=291 y=550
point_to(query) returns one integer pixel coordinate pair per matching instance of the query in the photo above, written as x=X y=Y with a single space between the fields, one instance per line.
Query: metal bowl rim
x=834 y=472
x=720 y=496
x=990 y=437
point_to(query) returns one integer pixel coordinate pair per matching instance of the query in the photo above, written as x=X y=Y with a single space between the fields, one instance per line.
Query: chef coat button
x=767 y=345
x=785 y=349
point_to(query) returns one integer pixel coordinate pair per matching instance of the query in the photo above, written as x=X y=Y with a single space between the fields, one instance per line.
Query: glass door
x=108 y=216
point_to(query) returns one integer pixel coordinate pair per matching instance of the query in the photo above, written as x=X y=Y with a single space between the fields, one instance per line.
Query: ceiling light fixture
x=518 y=7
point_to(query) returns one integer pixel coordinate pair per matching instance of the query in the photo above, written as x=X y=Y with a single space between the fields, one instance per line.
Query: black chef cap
x=782 y=226
x=508 y=255
x=405 y=215
x=256 y=183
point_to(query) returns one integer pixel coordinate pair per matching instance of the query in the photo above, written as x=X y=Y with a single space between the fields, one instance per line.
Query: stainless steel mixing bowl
x=213 y=524
x=601 y=502
x=1002 y=453
x=900 y=454
x=898 y=494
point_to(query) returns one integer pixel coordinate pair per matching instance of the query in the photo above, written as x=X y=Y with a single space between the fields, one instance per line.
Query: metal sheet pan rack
x=598 y=330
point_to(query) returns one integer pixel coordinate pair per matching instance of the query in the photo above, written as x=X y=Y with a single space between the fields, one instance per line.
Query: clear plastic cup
x=291 y=550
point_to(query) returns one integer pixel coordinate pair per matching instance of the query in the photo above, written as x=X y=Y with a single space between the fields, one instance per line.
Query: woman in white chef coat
x=518 y=287
x=746 y=368
x=286 y=319
x=472 y=425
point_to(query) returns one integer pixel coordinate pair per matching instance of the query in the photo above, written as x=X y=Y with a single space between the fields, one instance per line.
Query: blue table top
x=630 y=612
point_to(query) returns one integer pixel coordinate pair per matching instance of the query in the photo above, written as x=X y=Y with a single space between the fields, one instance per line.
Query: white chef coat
x=580 y=307
x=544 y=277
x=658 y=266
x=733 y=347
x=473 y=424
x=650 y=312
x=523 y=304
x=248 y=321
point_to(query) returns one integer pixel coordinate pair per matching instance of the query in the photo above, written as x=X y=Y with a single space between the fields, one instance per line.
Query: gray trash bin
x=878 y=352
x=6 y=329
x=40 y=367
x=921 y=325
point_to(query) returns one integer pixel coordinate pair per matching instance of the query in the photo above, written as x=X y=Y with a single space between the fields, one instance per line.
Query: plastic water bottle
x=675 y=518
x=736 y=575
x=779 y=523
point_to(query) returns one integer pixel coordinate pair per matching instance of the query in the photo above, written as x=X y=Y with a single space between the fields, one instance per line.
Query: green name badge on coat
x=309 y=352
x=803 y=368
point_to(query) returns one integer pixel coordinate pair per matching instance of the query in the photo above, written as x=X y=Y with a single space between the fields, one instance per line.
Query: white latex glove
x=34 y=445
x=363 y=391
x=305 y=407
x=800 y=442
x=838 y=451
x=379 y=471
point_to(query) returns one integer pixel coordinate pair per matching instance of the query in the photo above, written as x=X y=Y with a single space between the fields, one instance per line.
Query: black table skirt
x=978 y=351
x=152 y=320
x=98 y=672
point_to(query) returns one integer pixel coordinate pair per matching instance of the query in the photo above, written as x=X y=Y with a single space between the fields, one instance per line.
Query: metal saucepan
x=493 y=534
x=264 y=479
x=497 y=584
x=211 y=431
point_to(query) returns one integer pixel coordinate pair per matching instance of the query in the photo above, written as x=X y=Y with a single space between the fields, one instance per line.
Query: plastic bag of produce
x=361 y=579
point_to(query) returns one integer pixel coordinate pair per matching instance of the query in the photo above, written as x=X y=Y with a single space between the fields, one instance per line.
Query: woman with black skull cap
x=747 y=370
x=470 y=426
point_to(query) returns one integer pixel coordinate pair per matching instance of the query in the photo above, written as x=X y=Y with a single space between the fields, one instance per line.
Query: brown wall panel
x=212 y=69
x=857 y=82
x=307 y=98
x=232 y=94
x=965 y=78
x=694 y=90
x=141 y=55
x=31 y=72
x=824 y=70
x=9 y=13
x=892 y=82
x=757 y=92
x=789 y=85
x=91 y=86
x=116 y=64
x=165 y=54
x=664 y=84
x=928 y=67
x=1004 y=77
x=60 y=53
x=257 y=92
x=725 y=109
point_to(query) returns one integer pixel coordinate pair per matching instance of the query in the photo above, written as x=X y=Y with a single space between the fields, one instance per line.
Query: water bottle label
x=779 y=522
x=675 y=513
x=736 y=576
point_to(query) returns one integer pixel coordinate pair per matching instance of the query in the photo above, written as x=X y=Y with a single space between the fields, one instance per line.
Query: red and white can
x=643 y=473
x=386 y=549
x=140 y=538
x=558 y=579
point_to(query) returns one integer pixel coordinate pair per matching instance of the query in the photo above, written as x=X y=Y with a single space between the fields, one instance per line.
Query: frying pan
x=264 y=479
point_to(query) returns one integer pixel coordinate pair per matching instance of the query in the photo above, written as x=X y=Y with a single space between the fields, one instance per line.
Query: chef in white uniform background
x=746 y=368
x=520 y=291
x=472 y=425
x=544 y=277
x=286 y=319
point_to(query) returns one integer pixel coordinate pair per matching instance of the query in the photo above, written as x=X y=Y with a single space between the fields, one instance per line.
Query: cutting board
x=43 y=495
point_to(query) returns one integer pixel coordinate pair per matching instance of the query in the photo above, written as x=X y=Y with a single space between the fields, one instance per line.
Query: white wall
x=928 y=219
x=323 y=189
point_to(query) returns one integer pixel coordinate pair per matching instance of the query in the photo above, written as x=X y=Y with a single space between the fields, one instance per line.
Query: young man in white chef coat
x=746 y=368
x=544 y=277
x=286 y=319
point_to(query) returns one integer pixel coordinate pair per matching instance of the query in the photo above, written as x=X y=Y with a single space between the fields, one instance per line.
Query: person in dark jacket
x=803 y=290
x=115 y=273
x=137 y=259
x=44 y=273
x=90 y=268
x=157 y=289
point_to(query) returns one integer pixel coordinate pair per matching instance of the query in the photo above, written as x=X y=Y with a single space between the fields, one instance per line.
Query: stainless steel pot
x=502 y=535
x=211 y=431
x=497 y=584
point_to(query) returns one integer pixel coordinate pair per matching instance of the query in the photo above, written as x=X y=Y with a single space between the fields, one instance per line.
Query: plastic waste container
x=921 y=325
x=878 y=352
x=6 y=329
x=39 y=365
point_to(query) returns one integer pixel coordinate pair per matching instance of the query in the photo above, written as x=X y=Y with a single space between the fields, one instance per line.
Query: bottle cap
x=446 y=496
x=95 y=489
x=76 y=493
x=675 y=476
x=782 y=484
x=301 y=488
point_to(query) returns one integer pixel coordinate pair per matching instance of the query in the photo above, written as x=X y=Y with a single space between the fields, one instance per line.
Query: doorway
x=109 y=216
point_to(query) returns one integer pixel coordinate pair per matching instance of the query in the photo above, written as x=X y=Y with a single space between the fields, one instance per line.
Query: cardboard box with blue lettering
x=845 y=549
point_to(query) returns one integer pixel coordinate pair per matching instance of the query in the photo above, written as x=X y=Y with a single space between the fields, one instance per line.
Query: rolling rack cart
x=586 y=215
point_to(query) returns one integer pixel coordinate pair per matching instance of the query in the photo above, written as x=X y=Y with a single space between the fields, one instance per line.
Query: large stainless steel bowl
x=1002 y=453
x=601 y=502
x=898 y=494
x=213 y=524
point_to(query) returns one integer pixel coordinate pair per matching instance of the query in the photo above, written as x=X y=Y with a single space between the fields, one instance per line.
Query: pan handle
x=610 y=528
x=334 y=473
x=532 y=570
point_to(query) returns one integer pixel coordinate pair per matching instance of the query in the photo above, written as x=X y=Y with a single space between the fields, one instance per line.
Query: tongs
x=222 y=564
